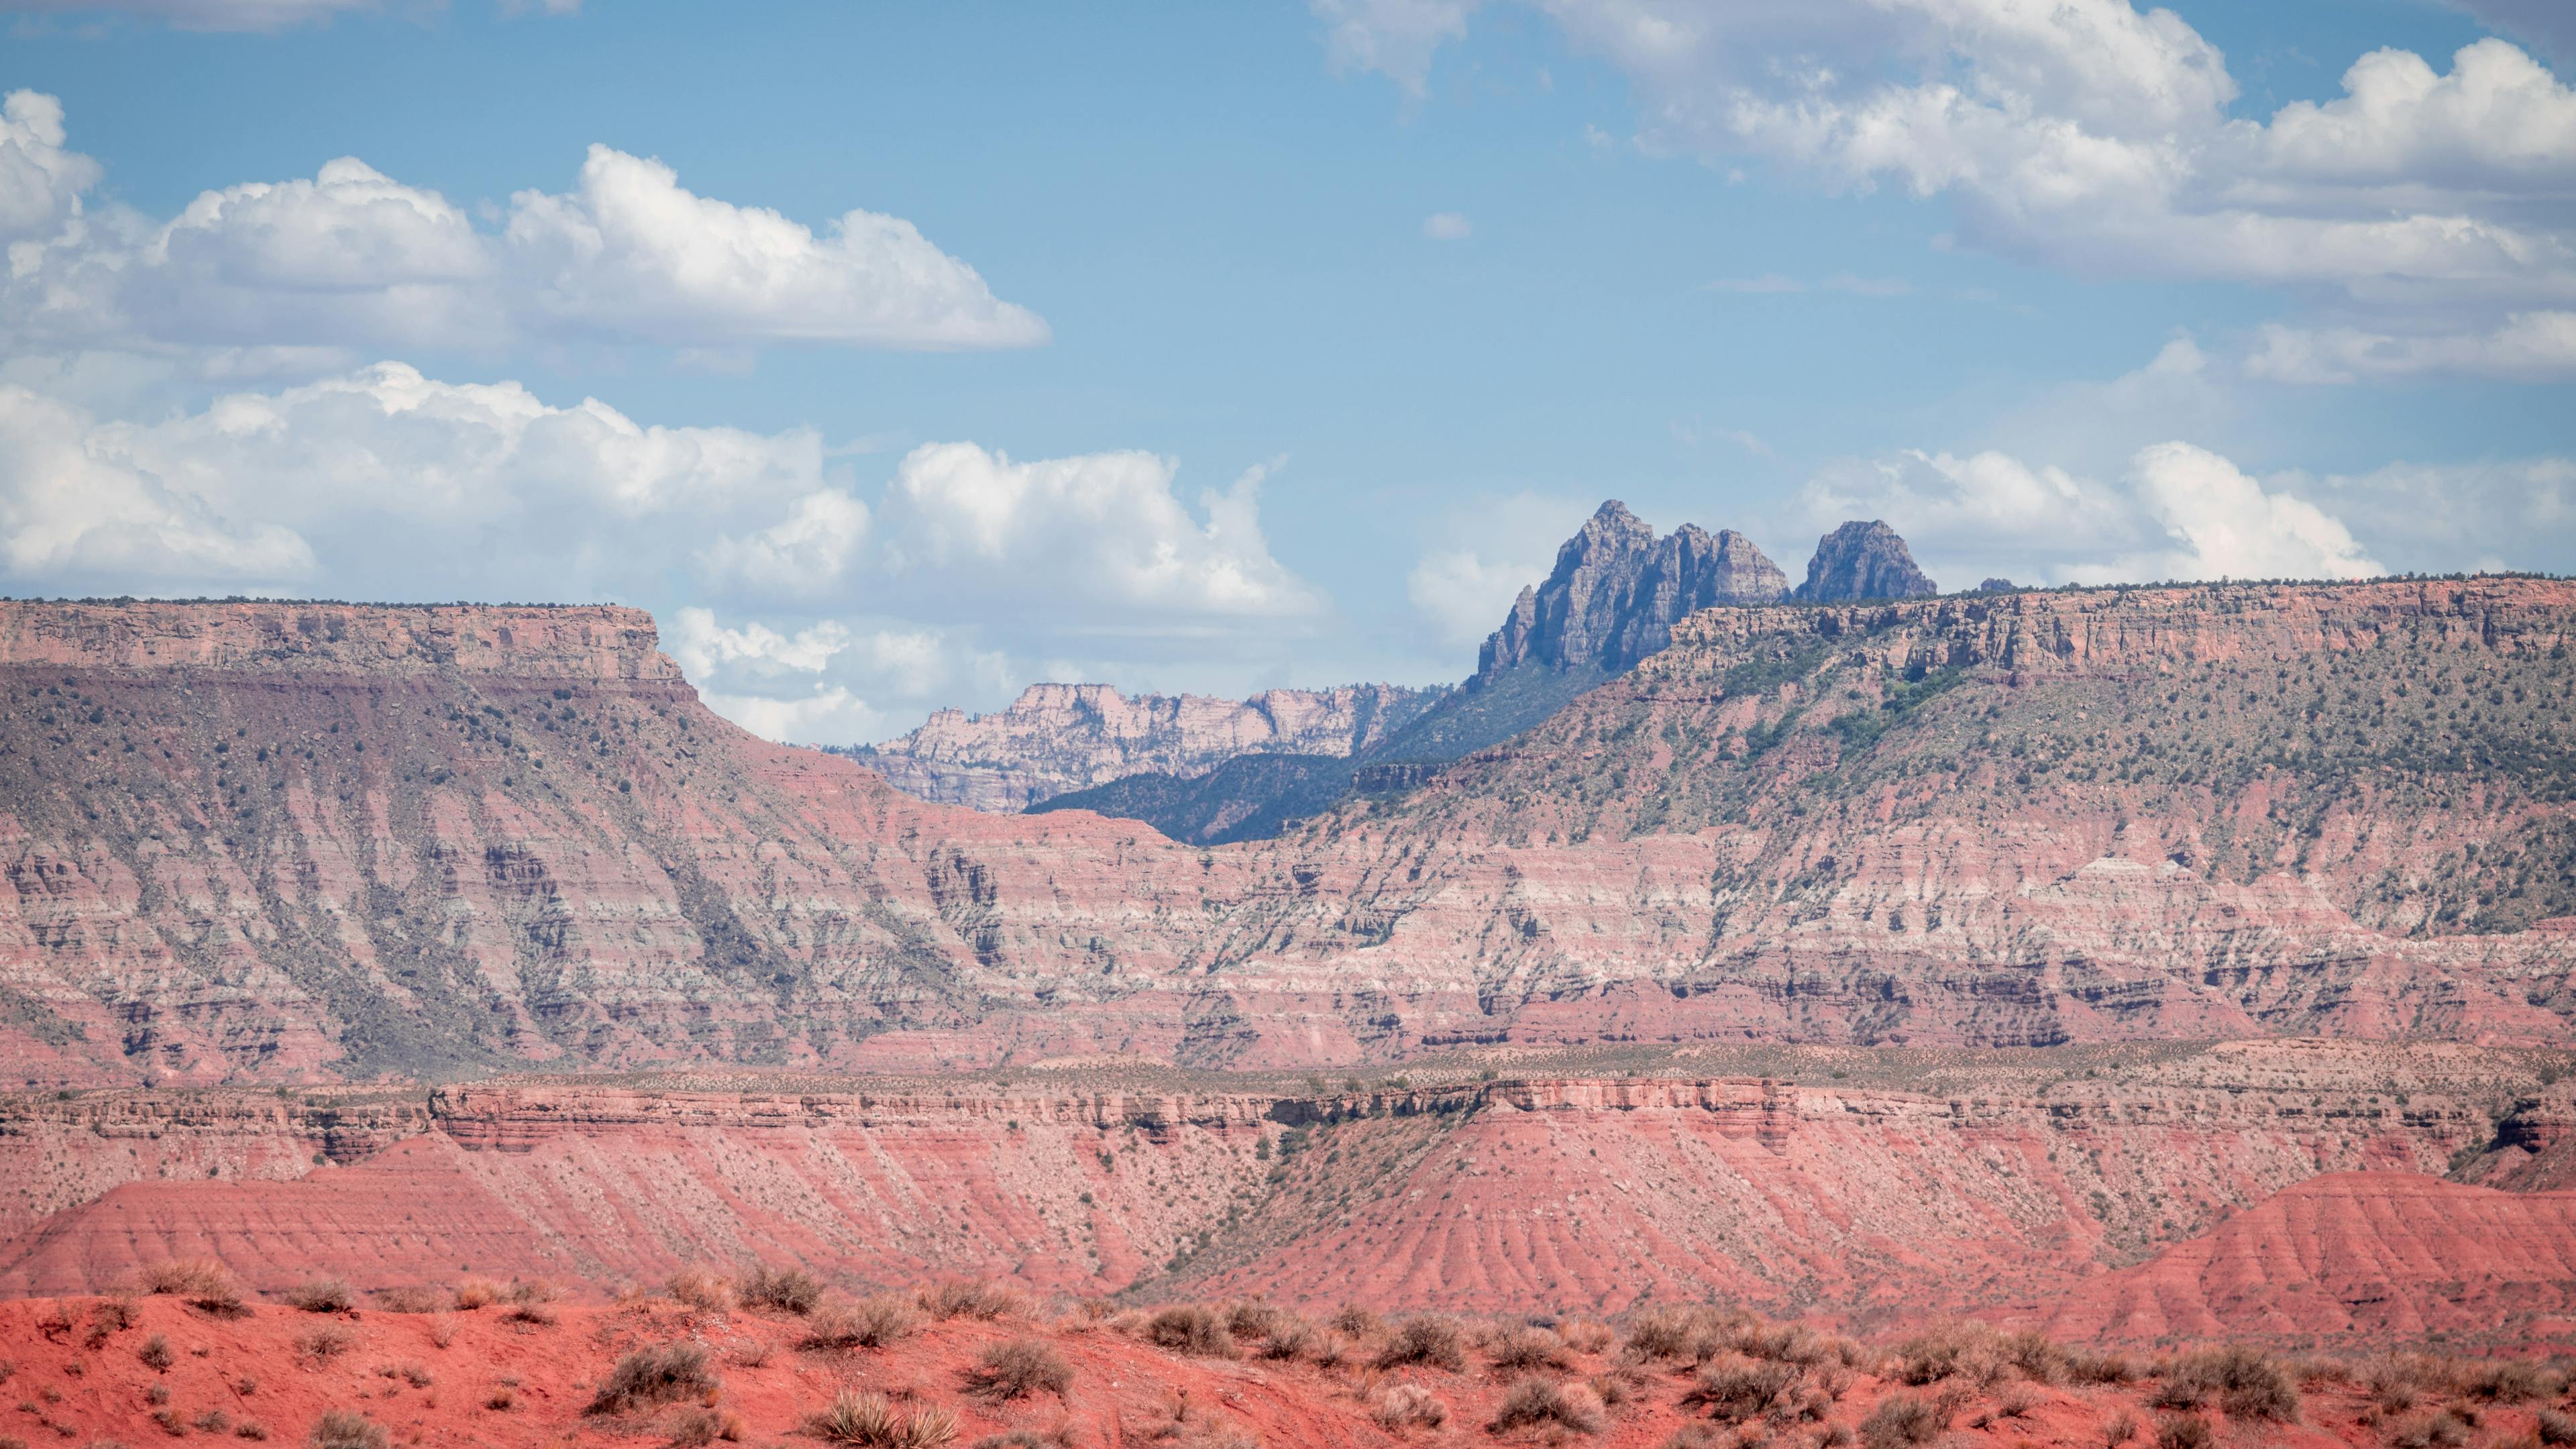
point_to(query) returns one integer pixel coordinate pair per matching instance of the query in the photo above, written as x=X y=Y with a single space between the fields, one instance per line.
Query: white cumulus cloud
x=2177 y=512
x=787 y=578
x=40 y=181
x=353 y=260
x=1102 y=528
x=2091 y=135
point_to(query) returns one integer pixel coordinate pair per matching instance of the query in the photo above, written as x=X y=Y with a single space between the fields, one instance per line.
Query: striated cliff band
x=288 y=842
x=2281 y=1189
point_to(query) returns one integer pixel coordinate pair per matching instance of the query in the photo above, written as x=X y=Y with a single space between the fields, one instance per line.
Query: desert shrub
x=1027 y=1439
x=2443 y=1430
x=347 y=1429
x=1253 y=1320
x=2184 y=1431
x=1903 y=1419
x=1737 y=1388
x=502 y=1399
x=155 y=1353
x=873 y=1421
x=697 y=1428
x=322 y=1295
x=1191 y=1328
x=473 y=1293
x=1519 y=1347
x=1428 y=1339
x=2247 y=1383
x=251 y=1429
x=442 y=1330
x=2015 y=1402
x=2037 y=1357
x=2119 y=1429
x=2398 y=1381
x=789 y=1290
x=1291 y=1336
x=1016 y=1369
x=2554 y=1427
x=214 y=1421
x=978 y=1299
x=1357 y=1322
x=655 y=1376
x=107 y=1318
x=1586 y=1335
x=1409 y=1406
x=700 y=1288
x=200 y=1282
x=1661 y=1333
x=1784 y=1342
x=1969 y=1351
x=2100 y=1368
x=413 y=1299
x=872 y=1322
x=532 y=1290
x=1611 y=1389
x=535 y=1311
x=1544 y=1401
x=416 y=1374
x=2512 y=1380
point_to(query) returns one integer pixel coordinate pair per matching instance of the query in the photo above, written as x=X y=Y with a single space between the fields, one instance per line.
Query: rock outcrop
x=1617 y=590
x=1863 y=561
x=1057 y=738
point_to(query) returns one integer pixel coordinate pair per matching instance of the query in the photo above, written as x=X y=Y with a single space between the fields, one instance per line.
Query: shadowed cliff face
x=1058 y=738
x=287 y=842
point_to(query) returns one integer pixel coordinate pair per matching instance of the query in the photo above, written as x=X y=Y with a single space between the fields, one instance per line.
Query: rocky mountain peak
x=1617 y=590
x=1863 y=561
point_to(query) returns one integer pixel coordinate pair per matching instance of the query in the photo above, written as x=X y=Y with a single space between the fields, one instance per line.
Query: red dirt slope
x=2394 y=1254
x=143 y=1370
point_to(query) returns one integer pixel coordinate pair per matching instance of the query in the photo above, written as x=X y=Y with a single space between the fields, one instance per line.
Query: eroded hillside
x=1877 y=1188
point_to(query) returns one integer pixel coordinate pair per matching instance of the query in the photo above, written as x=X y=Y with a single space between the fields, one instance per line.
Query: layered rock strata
x=2023 y=1183
x=326 y=842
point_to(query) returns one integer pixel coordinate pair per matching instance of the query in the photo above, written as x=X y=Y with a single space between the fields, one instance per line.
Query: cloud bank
x=804 y=578
x=352 y=261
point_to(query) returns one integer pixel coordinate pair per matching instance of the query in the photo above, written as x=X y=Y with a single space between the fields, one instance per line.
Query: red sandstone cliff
x=292 y=842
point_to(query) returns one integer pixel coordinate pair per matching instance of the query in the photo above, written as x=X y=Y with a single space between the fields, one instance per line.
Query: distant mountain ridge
x=1058 y=738
x=1610 y=602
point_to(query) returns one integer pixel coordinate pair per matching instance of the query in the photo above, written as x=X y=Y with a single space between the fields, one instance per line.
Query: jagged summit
x=1617 y=590
x=1863 y=561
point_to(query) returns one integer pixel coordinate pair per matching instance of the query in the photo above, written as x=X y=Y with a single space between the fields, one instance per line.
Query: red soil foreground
x=432 y=1379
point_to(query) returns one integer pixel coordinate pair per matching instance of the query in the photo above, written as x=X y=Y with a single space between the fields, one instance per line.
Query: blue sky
x=1434 y=277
